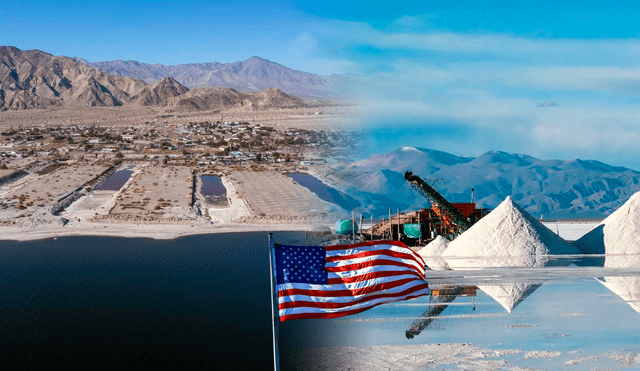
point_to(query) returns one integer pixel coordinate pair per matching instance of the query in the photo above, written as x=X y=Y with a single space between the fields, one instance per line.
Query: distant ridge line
x=251 y=75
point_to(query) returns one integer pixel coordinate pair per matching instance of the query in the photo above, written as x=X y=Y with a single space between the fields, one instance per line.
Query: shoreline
x=199 y=227
x=153 y=231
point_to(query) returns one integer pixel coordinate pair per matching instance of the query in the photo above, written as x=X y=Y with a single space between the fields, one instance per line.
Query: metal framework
x=453 y=214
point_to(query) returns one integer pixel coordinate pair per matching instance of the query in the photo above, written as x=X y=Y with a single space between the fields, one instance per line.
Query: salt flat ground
x=6 y=172
x=156 y=189
x=39 y=193
x=571 y=230
x=272 y=193
x=95 y=203
x=332 y=117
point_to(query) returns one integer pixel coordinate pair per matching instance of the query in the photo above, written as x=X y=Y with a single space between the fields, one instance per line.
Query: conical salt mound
x=628 y=288
x=507 y=237
x=431 y=254
x=618 y=234
x=509 y=296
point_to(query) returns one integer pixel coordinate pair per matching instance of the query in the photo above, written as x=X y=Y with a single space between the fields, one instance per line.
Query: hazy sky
x=550 y=79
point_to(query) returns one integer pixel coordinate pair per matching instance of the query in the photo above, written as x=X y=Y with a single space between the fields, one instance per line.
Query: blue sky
x=553 y=80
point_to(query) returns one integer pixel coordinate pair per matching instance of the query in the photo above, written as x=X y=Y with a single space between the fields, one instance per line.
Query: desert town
x=166 y=177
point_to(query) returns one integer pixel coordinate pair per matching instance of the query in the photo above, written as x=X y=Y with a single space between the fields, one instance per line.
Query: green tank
x=345 y=226
x=412 y=230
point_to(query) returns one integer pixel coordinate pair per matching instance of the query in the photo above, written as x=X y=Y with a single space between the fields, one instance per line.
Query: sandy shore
x=155 y=231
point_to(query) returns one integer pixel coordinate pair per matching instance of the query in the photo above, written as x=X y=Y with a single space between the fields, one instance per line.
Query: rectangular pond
x=214 y=192
x=115 y=181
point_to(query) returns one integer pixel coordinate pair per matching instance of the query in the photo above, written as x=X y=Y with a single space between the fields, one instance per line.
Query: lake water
x=89 y=303
x=214 y=191
x=325 y=192
x=115 y=181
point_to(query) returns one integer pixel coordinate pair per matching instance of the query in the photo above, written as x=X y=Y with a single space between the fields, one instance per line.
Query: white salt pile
x=507 y=237
x=618 y=236
x=627 y=288
x=431 y=254
x=509 y=296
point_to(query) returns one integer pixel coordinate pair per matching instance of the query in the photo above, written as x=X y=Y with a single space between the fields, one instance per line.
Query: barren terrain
x=328 y=117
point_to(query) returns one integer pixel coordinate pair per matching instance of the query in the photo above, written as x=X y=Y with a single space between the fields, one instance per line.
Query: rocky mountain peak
x=35 y=79
x=548 y=188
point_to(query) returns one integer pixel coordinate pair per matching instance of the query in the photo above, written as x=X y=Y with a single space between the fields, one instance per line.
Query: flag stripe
x=346 y=299
x=290 y=314
x=329 y=288
x=354 y=254
x=340 y=290
x=369 y=276
x=351 y=304
x=366 y=270
x=418 y=267
x=371 y=263
x=364 y=245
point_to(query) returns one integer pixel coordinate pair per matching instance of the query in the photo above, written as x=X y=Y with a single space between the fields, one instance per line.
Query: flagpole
x=274 y=311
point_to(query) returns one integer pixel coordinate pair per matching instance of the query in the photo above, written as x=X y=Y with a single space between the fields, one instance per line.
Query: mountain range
x=253 y=74
x=549 y=188
x=34 y=79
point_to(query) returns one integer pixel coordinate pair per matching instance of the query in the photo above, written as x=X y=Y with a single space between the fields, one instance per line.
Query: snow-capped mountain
x=552 y=188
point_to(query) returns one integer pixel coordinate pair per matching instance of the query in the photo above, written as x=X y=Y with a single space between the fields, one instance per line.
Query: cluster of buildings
x=202 y=143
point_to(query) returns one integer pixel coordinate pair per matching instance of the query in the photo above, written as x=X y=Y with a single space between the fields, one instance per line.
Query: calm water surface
x=588 y=317
x=115 y=181
x=86 y=303
x=214 y=191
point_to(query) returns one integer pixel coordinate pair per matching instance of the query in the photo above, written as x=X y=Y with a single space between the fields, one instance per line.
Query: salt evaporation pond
x=325 y=192
x=214 y=191
x=115 y=181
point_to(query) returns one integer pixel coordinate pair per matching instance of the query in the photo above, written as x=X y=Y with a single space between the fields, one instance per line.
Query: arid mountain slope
x=35 y=79
x=549 y=188
x=253 y=74
x=160 y=93
x=214 y=98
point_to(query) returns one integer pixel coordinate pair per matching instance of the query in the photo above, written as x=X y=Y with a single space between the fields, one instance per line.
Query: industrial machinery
x=414 y=228
x=451 y=219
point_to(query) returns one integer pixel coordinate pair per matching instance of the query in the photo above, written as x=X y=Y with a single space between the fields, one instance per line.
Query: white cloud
x=493 y=84
x=413 y=33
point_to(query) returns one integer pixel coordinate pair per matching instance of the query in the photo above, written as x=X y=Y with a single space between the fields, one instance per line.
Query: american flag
x=335 y=281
